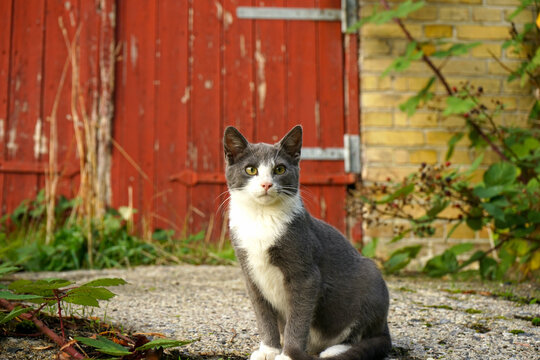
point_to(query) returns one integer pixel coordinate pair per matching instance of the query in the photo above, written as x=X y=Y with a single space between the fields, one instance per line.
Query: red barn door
x=190 y=68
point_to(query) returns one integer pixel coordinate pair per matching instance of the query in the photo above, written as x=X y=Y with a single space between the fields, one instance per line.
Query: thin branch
x=44 y=330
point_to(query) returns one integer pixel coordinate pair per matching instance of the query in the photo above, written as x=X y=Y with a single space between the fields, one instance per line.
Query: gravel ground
x=428 y=319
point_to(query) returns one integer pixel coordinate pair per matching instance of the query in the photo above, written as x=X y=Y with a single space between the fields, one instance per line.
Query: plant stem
x=45 y=330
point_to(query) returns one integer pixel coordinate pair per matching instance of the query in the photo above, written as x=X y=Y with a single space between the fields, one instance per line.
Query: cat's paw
x=265 y=353
x=282 y=357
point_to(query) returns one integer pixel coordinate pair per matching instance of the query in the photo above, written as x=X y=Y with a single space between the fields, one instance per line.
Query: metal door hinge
x=349 y=153
x=347 y=14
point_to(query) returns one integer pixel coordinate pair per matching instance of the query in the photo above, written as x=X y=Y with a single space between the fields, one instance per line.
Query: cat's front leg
x=267 y=322
x=302 y=294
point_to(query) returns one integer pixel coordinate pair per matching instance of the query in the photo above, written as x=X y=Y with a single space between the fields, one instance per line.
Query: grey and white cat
x=313 y=293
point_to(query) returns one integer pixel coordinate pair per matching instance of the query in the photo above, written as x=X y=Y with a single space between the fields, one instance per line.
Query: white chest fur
x=257 y=228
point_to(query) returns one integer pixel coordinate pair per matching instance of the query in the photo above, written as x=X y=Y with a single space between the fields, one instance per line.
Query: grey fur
x=329 y=286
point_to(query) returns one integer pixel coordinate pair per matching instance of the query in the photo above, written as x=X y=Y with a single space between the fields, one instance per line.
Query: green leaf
x=452 y=144
x=7 y=269
x=14 y=313
x=524 y=4
x=437 y=207
x=501 y=173
x=381 y=17
x=423 y=96
x=456 y=105
x=8 y=295
x=81 y=300
x=488 y=268
x=97 y=293
x=104 y=345
x=368 y=250
x=403 y=191
x=38 y=286
x=494 y=210
x=401 y=258
x=474 y=223
x=455 y=50
x=163 y=343
x=461 y=248
x=402 y=63
x=106 y=282
x=487 y=193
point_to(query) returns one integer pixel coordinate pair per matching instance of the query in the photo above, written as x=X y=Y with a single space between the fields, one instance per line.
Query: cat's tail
x=373 y=348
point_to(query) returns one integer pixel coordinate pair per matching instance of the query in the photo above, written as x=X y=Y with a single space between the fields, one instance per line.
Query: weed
x=516 y=331
x=473 y=311
x=479 y=328
x=446 y=307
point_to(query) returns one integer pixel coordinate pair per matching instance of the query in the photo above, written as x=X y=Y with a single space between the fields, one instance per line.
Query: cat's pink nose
x=266 y=186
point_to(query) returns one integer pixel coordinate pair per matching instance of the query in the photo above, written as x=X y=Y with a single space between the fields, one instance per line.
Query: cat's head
x=262 y=172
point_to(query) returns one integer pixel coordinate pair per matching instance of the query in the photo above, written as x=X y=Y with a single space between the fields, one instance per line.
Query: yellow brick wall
x=394 y=144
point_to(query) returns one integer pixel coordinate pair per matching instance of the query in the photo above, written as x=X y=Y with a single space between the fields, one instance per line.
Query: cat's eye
x=279 y=170
x=251 y=171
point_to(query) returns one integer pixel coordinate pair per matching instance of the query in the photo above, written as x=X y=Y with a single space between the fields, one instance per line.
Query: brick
x=510 y=103
x=486 y=14
x=515 y=87
x=523 y=17
x=497 y=69
x=377 y=119
x=454 y=13
x=441 y=138
x=452 y=122
x=426 y=13
x=389 y=30
x=382 y=100
x=503 y=2
x=489 y=85
x=404 y=83
x=525 y=103
x=462 y=231
x=401 y=119
x=395 y=138
x=461 y=157
x=378 y=154
x=428 y=49
x=398 y=47
x=374 y=47
x=462 y=67
x=396 y=173
x=400 y=157
x=482 y=32
x=369 y=82
x=438 y=31
x=376 y=65
x=423 y=120
x=420 y=156
x=518 y=53
x=485 y=50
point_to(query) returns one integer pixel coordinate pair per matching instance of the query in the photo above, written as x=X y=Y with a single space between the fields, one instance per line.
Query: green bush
x=507 y=199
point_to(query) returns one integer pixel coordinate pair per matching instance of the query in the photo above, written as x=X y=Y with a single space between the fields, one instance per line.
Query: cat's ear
x=291 y=143
x=234 y=144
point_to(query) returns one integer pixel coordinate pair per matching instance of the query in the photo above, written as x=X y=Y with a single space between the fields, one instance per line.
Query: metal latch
x=349 y=153
x=347 y=14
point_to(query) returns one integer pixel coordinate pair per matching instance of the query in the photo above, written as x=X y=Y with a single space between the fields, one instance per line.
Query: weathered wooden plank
x=206 y=110
x=173 y=98
x=331 y=125
x=57 y=88
x=5 y=47
x=270 y=77
x=302 y=92
x=134 y=125
x=239 y=67
x=25 y=88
